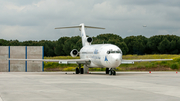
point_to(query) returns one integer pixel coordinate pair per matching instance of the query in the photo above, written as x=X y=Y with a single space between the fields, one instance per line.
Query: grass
x=142 y=66
x=158 y=65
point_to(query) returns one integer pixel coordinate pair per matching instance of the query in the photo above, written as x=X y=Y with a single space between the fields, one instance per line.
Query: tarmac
x=97 y=86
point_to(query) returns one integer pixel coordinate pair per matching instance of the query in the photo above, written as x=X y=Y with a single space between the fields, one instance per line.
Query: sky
x=36 y=19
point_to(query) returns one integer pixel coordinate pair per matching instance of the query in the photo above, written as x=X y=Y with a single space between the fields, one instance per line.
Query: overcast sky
x=36 y=19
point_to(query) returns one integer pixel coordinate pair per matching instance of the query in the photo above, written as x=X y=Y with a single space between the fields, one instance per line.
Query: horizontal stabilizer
x=94 y=27
x=79 y=27
x=68 y=27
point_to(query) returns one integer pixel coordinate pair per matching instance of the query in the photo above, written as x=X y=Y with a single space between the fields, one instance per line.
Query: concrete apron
x=1 y=99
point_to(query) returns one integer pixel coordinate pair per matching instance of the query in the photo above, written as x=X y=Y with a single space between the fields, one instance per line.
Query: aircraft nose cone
x=116 y=60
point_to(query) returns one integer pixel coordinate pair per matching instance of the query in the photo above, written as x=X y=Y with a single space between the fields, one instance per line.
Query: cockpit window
x=118 y=51
x=111 y=51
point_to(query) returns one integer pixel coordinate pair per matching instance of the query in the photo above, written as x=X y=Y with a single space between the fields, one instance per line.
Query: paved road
x=58 y=86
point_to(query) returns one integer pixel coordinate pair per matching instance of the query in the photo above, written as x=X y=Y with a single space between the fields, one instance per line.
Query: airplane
x=107 y=56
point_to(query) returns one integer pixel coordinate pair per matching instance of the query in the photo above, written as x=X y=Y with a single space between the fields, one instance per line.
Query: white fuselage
x=102 y=55
x=99 y=55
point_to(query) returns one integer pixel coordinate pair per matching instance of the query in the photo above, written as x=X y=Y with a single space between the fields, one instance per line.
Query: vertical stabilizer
x=83 y=35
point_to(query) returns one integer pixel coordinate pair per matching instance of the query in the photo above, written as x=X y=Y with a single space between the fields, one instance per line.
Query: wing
x=69 y=61
x=142 y=60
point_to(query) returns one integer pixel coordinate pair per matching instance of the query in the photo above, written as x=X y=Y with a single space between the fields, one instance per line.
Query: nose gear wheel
x=112 y=71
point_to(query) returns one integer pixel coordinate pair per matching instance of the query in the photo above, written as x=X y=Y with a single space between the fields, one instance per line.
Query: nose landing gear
x=107 y=70
x=112 y=71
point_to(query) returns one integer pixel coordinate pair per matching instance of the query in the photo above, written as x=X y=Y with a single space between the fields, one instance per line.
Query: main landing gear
x=79 y=70
x=111 y=71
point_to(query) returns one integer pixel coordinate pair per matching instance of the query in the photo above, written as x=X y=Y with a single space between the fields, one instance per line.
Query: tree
x=14 y=43
x=178 y=45
x=59 y=46
x=158 y=44
x=138 y=47
x=78 y=45
x=106 y=38
x=153 y=43
x=49 y=47
x=164 y=46
x=136 y=44
x=123 y=47
x=4 y=42
x=172 y=47
x=70 y=44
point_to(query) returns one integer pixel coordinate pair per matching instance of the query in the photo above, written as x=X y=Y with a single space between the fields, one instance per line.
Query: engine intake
x=74 y=53
x=89 y=39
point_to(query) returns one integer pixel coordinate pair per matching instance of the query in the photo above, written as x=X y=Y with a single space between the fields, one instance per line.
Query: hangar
x=21 y=52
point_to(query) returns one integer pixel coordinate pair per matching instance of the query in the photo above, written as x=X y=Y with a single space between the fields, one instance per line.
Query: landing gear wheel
x=82 y=71
x=110 y=72
x=77 y=71
x=114 y=72
x=107 y=70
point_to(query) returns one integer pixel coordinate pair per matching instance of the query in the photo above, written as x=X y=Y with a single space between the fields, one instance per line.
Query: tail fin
x=82 y=29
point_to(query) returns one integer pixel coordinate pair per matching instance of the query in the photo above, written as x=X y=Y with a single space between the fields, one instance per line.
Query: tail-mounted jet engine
x=74 y=53
x=89 y=39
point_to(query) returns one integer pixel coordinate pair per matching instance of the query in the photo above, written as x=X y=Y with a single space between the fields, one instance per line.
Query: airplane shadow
x=103 y=73
x=99 y=73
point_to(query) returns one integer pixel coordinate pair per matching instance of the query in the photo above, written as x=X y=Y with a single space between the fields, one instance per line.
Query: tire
x=107 y=70
x=77 y=71
x=82 y=70
x=110 y=72
x=114 y=72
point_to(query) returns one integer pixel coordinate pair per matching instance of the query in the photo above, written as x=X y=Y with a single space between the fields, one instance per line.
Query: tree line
x=158 y=44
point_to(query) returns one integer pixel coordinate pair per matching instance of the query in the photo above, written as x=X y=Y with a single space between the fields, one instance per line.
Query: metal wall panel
x=4 y=53
x=21 y=52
